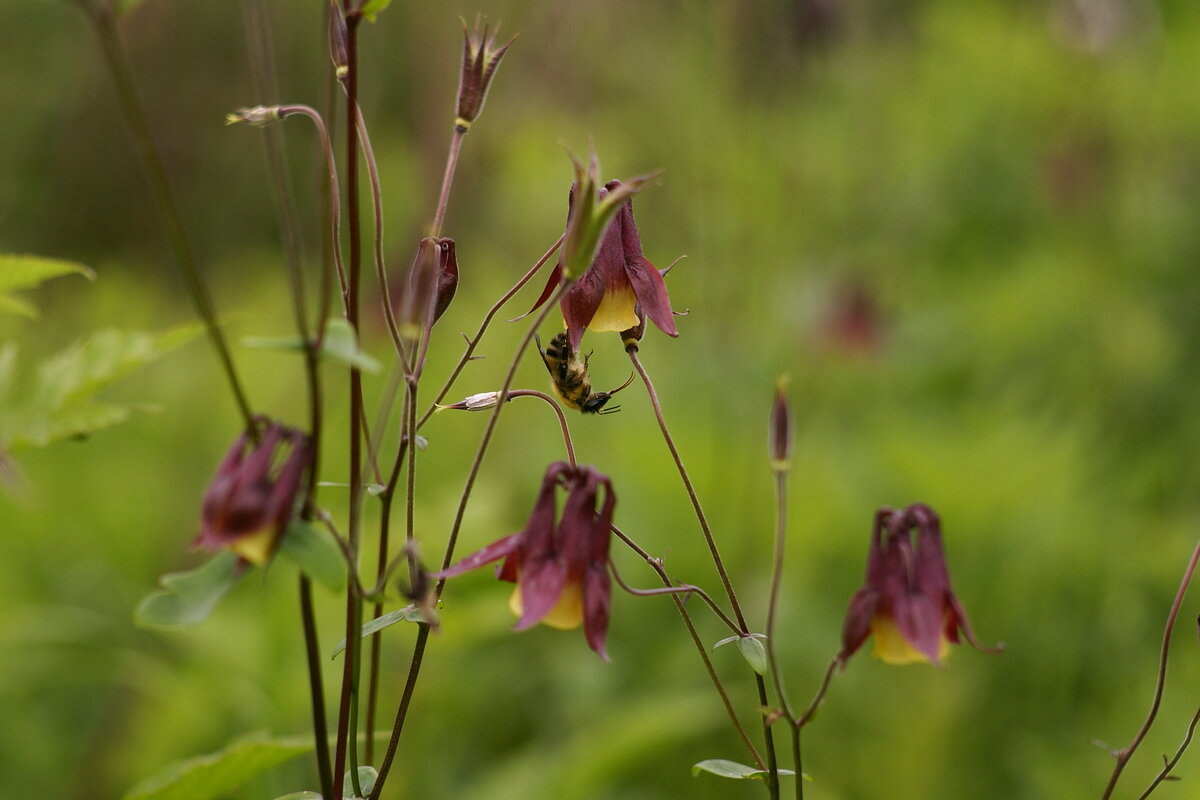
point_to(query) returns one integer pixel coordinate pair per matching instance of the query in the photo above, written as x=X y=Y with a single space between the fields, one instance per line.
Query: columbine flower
x=906 y=602
x=561 y=569
x=622 y=287
x=250 y=500
x=481 y=57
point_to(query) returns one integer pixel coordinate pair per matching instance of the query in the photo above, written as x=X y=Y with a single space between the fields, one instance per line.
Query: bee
x=569 y=375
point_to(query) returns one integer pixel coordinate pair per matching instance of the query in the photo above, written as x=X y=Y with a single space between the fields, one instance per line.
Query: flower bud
x=418 y=298
x=258 y=116
x=447 y=277
x=779 y=438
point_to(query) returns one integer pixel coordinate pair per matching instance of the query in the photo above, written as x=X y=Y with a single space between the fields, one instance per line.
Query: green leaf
x=25 y=272
x=340 y=343
x=55 y=402
x=732 y=769
x=410 y=613
x=366 y=782
x=217 y=774
x=372 y=8
x=726 y=641
x=301 y=796
x=188 y=598
x=315 y=552
x=755 y=654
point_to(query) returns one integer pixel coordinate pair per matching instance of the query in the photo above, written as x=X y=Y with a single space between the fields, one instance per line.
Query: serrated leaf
x=315 y=552
x=341 y=343
x=56 y=401
x=217 y=774
x=187 y=598
x=731 y=769
x=410 y=613
x=372 y=8
x=366 y=782
x=755 y=654
x=25 y=272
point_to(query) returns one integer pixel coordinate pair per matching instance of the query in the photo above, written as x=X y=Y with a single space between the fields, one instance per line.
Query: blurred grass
x=1013 y=186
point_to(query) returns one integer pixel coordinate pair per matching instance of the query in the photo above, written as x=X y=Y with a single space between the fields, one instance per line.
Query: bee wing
x=545 y=358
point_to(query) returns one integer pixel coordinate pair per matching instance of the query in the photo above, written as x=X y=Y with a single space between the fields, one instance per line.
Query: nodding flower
x=621 y=287
x=250 y=500
x=561 y=567
x=907 y=602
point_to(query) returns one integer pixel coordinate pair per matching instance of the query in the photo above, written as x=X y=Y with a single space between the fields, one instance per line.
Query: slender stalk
x=691 y=491
x=317 y=696
x=562 y=419
x=1165 y=772
x=772 y=609
x=347 y=738
x=164 y=198
x=473 y=342
x=439 y=216
x=815 y=703
x=656 y=565
x=681 y=589
x=473 y=472
x=768 y=738
x=1123 y=755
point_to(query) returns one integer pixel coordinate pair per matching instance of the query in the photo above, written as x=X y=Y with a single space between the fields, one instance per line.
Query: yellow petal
x=567 y=613
x=615 y=312
x=256 y=547
x=892 y=648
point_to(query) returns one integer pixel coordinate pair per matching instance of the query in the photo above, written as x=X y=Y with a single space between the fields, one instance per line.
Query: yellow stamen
x=615 y=312
x=892 y=648
x=567 y=613
x=256 y=547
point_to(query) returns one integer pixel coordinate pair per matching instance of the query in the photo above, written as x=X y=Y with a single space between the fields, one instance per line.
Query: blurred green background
x=969 y=231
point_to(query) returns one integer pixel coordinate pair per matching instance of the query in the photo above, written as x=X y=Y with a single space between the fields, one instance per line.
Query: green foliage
x=315 y=552
x=25 y=272
x=409 y=613
x=366 y=782
x=189 y=597
x=217 y=774
x=57 y=401
x=732 y=769
x=340 y=344
x=373 y=8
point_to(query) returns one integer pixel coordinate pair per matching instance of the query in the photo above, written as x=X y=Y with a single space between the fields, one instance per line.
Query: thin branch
x=1123 y=755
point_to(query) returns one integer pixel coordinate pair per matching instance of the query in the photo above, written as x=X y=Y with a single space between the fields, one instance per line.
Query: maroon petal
x=580 y=302
x=551 y=285
x=597 y=601
x=857 y=626
x=651 y=293
x=493 y=552
x=542 y=580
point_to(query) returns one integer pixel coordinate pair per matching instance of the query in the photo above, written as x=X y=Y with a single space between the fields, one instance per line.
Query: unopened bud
x=338 y=52
x=779 y=439
x=476 y=402
x=258 y=116
x=447 y=279
x=417 y=301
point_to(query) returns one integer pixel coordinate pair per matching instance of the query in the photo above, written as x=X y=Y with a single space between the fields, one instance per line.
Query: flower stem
x=656 y=565
x=768 y=738
x=312 y=655
x=562 y=419
x=439 y=216
x=772 y=609
x=347 y=738
x=164 y=198
x=1165 y=772
x=473 y=342
x=1123 y=755
x=472 y=473
x=691 y=492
